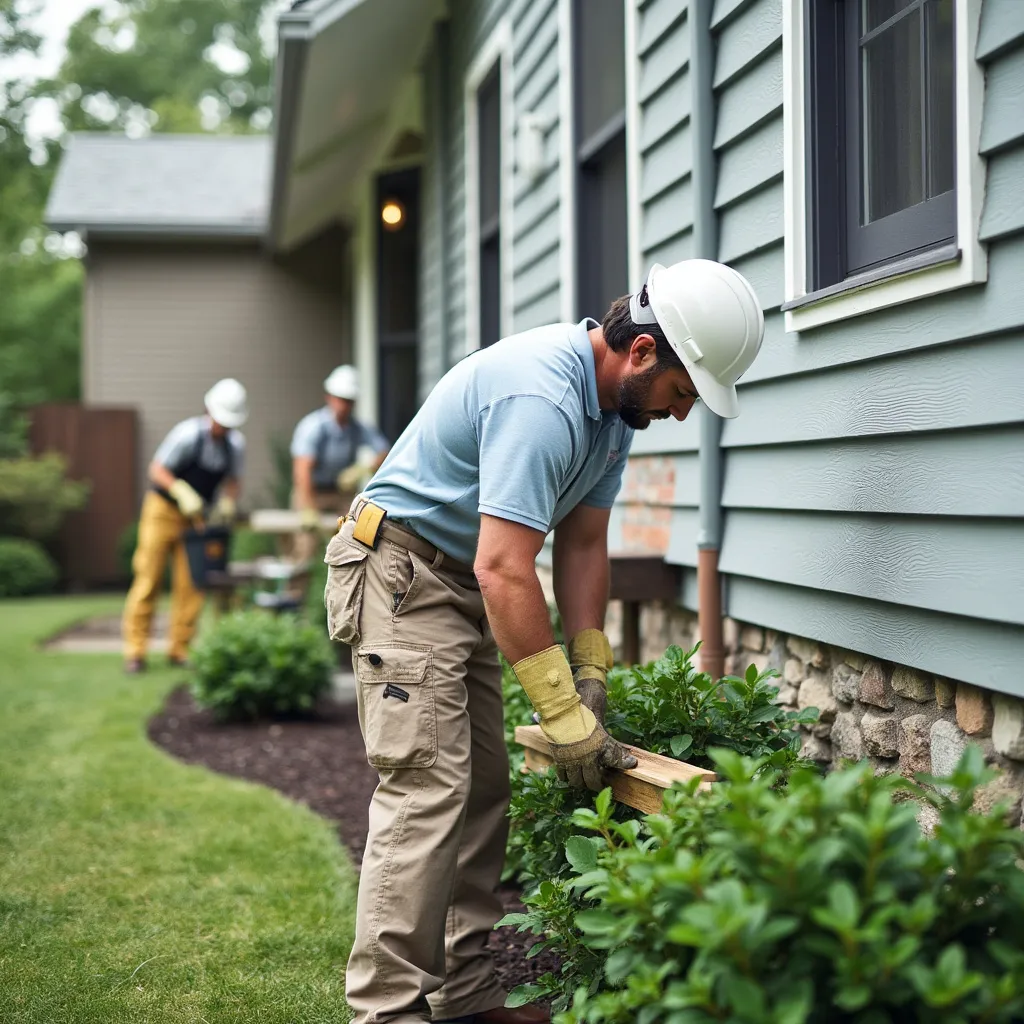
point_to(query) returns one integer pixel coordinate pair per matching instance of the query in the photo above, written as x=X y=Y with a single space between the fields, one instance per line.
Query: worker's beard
x=634 y=392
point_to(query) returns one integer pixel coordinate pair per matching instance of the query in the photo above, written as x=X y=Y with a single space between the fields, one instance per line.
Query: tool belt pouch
x=346 y=581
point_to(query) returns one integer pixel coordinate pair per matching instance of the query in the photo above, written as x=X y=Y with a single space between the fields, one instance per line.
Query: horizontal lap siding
x=658 y=506
x=537 y=206
x=874 y=483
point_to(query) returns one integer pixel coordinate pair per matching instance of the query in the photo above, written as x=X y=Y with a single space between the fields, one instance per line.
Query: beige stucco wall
x=163 y=322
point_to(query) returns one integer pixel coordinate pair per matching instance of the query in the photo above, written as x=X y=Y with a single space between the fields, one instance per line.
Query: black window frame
x=488 y=255
x=839 y=246
x=597 y=153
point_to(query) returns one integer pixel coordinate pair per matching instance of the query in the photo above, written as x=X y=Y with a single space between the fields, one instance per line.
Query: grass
x=133 y=887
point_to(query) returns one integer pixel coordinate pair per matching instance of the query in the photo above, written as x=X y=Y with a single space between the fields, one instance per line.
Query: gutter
x=705 y=246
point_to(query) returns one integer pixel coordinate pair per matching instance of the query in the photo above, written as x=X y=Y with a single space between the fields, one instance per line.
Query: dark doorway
x=398 y=230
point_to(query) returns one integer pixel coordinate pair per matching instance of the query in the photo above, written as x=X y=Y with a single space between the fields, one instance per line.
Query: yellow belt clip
x=368 y=522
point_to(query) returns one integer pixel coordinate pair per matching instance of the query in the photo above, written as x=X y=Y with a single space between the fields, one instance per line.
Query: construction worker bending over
x=199 y=461
x=434 y=571
x=333 y=456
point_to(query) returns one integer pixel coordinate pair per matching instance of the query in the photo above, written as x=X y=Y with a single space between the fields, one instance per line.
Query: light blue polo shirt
x=320 y=437
x=513 y=431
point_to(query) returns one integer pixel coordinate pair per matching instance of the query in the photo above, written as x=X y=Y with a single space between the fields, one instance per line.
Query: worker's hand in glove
x=353 y=478
x=590 y=657
x=224 y=511
x=188 y=500
x=579 y=745
x=310 y=519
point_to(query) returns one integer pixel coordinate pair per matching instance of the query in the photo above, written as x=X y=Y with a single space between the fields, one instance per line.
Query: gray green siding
x=874 y=484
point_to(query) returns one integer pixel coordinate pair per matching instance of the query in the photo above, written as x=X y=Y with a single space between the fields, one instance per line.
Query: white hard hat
x=227 y=403
x=712 y=319
x=343 y=382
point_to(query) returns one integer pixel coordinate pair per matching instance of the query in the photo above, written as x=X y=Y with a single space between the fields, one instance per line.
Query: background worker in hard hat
x=333 y=456
x=196 y=471
x=434 y=572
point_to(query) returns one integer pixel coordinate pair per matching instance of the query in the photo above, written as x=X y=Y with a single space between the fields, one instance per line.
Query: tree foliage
x=132 y=67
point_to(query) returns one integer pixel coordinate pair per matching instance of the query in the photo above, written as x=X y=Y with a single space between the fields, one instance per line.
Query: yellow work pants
x=161 y=527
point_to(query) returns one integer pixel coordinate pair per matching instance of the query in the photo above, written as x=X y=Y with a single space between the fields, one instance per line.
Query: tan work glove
x=590 y=656
x=225 y=510
x=579 y=745
x=188 y=500
x=310 y=519
x=352 y=478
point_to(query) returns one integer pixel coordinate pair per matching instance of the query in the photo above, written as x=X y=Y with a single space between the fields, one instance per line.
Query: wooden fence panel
x=99 y=444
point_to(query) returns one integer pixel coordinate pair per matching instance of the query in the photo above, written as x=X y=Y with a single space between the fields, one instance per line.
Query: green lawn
x=135 y=888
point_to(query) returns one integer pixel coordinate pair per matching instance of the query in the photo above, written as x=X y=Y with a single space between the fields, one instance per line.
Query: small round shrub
x=25 y=568
x=253 y=664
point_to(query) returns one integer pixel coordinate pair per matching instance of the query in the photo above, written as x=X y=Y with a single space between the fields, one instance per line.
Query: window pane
x=877 y=12
x=941 y=96
x=489 y=122
x=490 y=292
x=600 y=64
x=891 y=119
x=603 y=243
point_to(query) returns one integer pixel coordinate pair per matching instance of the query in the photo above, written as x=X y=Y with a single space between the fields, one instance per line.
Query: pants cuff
x=476 y=1002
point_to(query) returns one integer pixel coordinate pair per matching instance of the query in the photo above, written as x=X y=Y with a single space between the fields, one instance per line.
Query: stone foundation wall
x=900 y=719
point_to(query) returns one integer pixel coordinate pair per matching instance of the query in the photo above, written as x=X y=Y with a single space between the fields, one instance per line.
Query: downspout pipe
x=705 y=246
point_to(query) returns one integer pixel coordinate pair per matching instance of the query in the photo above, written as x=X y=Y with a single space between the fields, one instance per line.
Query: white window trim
x=972 y=265
x=497 y=49
x=634 y=207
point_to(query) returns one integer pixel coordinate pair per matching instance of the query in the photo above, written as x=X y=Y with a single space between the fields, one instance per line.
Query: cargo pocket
x=343 y=595
x=396 y=687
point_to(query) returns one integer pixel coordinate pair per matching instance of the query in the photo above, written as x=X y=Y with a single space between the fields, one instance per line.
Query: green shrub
x=248 y=545
x=35 y=495
x=254 y=664
x=25 y=568
x=670 y=708
x=816 y=902
x=666 y=706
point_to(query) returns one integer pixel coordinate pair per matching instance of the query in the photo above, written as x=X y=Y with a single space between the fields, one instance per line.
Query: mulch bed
x=319 y=761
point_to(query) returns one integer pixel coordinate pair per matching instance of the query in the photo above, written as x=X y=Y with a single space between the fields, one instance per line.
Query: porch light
x=392 y=214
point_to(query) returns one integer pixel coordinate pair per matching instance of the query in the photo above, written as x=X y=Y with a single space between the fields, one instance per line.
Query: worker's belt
x=372 y=523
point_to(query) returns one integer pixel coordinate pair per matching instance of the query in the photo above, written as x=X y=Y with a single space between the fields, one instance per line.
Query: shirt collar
x=582 y=347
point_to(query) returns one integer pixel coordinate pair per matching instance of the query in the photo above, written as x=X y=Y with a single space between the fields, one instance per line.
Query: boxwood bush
x=25 y=568
x=253 y=664
x=666 y=706
x=820 y=901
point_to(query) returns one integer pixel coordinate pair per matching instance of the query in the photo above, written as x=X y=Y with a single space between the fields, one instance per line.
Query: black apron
x=203 y=481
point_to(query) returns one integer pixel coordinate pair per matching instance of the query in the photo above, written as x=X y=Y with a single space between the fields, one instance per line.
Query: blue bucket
x=207 y=552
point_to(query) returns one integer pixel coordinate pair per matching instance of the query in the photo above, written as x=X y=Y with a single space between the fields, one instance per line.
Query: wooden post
x=642 y=787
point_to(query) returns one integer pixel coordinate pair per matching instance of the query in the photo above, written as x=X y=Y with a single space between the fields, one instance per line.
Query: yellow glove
x=353 y=478
x=579 y=745
x=590 y=655
x=310 y=519
x=188 y=500
x=225 y=510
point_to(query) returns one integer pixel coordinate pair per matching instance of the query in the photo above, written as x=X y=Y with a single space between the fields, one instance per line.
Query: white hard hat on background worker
x=712 y=318
x=227 y=403
x=343 y=382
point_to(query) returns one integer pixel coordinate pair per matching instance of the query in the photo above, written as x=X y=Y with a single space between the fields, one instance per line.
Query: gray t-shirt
x=181 y=445
x=319 y=436
x=514 y=431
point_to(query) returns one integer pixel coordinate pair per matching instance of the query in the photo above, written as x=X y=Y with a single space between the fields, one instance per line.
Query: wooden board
x=287 y=520
x=641 y=787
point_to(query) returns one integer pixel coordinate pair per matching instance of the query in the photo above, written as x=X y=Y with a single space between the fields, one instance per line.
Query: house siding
x=164 y=322
x=874 y=486
x=535 y=274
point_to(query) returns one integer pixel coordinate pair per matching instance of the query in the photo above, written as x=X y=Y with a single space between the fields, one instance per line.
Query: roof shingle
x=170 y=185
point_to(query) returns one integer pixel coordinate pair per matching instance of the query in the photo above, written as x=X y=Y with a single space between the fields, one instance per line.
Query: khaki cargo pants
x=430 y=710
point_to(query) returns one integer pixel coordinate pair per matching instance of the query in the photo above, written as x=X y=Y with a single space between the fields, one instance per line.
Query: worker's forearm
x=581 y=580
x=232 y=488
x=517 y=612
x=161 y=475
x=302 y=483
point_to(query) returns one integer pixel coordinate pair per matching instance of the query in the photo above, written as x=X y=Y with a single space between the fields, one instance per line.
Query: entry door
x=398 y=227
